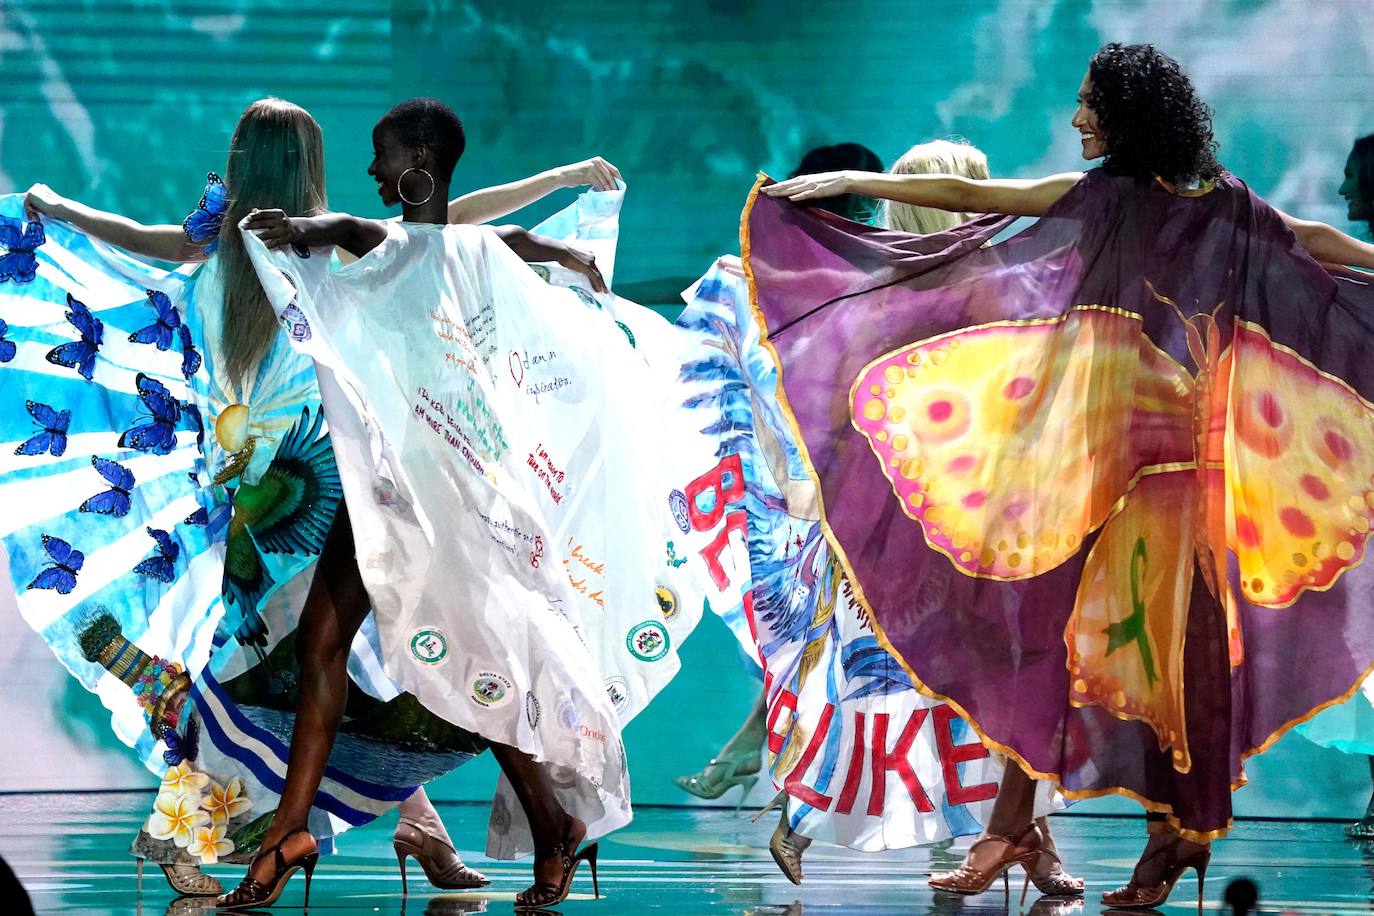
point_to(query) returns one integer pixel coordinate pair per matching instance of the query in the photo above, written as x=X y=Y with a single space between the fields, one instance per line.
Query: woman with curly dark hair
x=1183 y=262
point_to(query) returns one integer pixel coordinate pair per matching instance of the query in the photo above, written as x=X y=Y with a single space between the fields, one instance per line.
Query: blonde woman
x=938 y=157
x=262 y=472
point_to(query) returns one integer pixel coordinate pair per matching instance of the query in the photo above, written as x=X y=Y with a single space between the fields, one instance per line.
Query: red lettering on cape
x=794 y=785
x=897 y=759
x=735 y=521
x=713 y=480
x=951 y=755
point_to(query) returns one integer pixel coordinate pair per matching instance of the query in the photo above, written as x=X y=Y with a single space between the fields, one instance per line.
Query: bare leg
x=550 y=824
x=751 y=734
x=1011 y=814
x=741 y=757
x=420 y=811
x=334 y=609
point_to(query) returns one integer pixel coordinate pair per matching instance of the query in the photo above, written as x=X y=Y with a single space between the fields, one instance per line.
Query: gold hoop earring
x=401 y=194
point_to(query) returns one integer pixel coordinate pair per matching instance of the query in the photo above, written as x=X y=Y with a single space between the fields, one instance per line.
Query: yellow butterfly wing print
x=1299 y=466
x=1125 y=637
x=1011 y=441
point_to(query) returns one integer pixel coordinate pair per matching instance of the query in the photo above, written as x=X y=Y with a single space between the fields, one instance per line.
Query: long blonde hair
x=943 y=157
x=276 y=159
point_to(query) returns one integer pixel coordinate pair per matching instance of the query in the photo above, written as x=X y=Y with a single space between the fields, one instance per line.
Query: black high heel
x=534 y=895
x=252 y=893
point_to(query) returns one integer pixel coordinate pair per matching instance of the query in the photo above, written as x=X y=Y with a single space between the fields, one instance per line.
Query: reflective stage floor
x=71 y=854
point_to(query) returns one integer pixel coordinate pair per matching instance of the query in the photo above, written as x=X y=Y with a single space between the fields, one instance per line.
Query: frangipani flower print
x=225 y=802
x=175 y=817
x=183 y=779
x=208 y=843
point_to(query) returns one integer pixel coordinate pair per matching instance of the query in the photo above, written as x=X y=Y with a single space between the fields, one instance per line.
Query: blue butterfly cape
x=123 y=446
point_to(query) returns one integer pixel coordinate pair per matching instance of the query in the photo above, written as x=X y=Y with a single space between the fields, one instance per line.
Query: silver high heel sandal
x=186 y=880
x=439 y=860
x=730 y=772
x=785 y=845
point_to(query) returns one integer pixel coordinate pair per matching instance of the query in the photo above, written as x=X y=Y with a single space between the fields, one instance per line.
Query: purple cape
x=1105 y=486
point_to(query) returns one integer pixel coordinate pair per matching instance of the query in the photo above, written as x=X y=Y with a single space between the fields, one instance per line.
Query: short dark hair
x=1363 y=154
x=838 y=157
x=1151 y=118
x=431 y=124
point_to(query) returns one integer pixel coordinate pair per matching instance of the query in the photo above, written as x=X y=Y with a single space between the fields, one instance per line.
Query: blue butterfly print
x=65 y=562
x=168 y=321
x=179 y=748
x=159 y=435
x=190 y=358
x=114 y=501
x=199 y=517
x=203 y=225
x=80 y=354
x=53 y=438
x=193 y=417
x=161 y=565
x=7 y=347
x=19 y=241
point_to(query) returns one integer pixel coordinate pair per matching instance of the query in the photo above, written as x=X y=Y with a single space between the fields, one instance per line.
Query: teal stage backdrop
x=125 y=104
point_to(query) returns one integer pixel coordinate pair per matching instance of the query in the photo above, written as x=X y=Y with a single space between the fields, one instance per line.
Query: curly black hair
x=1150 y=117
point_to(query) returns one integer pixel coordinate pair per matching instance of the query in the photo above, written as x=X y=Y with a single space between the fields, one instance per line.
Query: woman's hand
x=806 y=187
x=42 y=200
x=597 y=172
x=274 y=228
x=583 y=262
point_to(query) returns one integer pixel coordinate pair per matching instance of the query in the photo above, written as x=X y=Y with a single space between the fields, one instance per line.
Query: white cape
x=502 y=449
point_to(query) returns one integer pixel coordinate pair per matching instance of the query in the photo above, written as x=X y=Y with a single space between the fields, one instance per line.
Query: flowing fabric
x=867 y=761
x=239 y=480
x=507 y=460
x=1104 y=485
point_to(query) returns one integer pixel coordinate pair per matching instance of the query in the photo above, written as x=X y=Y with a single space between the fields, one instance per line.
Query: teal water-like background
x=125 y=104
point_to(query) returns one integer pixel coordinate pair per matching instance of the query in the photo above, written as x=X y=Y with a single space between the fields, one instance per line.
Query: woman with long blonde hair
x=263 y=477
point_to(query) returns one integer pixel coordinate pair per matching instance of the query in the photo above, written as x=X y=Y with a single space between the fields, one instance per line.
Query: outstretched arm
x=166 y=243
x=1329 y=244
x=1014 y=196
x=531 y=247
x=495 y=202
x=353 y=234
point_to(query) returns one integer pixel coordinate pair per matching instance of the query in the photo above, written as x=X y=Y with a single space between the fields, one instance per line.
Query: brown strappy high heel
x=252 y=893
x=440 y=861
x=1023 y=849
x=542 y=895
x=1057 y=883
x=1137 y=896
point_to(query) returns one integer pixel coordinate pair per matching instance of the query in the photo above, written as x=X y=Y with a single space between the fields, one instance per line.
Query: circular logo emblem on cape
x=648 y=641
x=567 y=715
x=293 y=320
x=619 y=692
x=490 y=690
x=543 y=271
x=428 y=646
x=629 y=335
x=586 y=297
x=667 y=602
x=677 y=502
x=532 y=709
